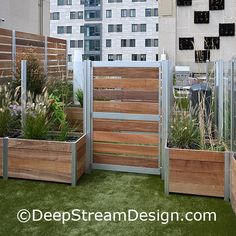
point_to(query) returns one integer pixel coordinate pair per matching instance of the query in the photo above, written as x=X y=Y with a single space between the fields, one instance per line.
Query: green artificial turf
x=108 y=191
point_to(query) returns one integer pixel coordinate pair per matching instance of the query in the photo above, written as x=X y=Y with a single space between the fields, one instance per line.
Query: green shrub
x=62 y=89
x=5 y=117
x=79 y=96
x=36 y=77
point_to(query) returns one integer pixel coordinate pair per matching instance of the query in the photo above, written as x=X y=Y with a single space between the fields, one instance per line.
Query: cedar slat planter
x=1 y=156
x=197 y=172
x=47 y=160
x=75 y=117
x=233 y=183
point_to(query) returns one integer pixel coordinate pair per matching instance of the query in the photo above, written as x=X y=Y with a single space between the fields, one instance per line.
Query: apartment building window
x=114 y=57
x=55 y=16
x=128 y=12
x=151 y=12
x=157 y=57
x=69 y=57
x=108 y=43
x=127 y=42
x=138 y=57
x=92 y=3
x=82 y=2
x=114 y=1
x=92 y=14
x=115 y=28
x=92 y=30
x=138 y=0
x=139 y=27
x=155 y=42
x=64 y=2
x=157 y=27
x=148 y=42
x=81 y=29
x=92 y=45
x=108 y=13
x=76 y=15
x=76 y=43
x=151 y=42
x=64 y=29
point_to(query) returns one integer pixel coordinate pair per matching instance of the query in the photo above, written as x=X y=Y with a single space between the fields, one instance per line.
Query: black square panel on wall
x=186 y=43
x=227 y=29
x=216 y=5
x=202 y=56
x=184 y=2
x=201 y=17
x=212 y=43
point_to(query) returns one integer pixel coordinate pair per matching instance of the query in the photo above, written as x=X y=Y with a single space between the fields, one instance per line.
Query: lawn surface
x=108 y=191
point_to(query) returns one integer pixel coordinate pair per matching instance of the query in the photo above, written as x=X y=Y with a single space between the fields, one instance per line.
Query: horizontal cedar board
x=57 y=69
x=205 y=178
x=126 y=107
x=5 y=40
x=196 y=155
x=56 y=45
x=26 y=42
x=29 y=36
x=197 y=189
x=5 y=32
x=56 y=63
x=125 y=161
x=5 y=72
x=131 y=84
x=5 y=64
x=5 y=56
x=22 y=49
x=127 y=125
x=41 y=165
x=56 y=51
x=74 y=113
x=39 y=145
x=126 y=138
x=103 y=94
x=5 y=48
x=126 y=149
x=126 y=72
x=56 y=40
x=81 y=143
x=197 y=166
x=57 y=57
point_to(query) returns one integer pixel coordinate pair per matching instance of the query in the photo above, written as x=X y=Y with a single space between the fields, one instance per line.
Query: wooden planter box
x=47 y=160
x=233 y=183
x=75 y=117
x=197 y=172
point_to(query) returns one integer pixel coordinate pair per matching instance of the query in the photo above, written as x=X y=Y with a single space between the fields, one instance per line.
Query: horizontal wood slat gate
x=125 y=116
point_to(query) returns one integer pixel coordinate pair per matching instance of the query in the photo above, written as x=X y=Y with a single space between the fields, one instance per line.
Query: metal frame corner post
x=5 y=158
x=13 y=54
x=23 y=90
x=74 y=164
x=166 y=81
x=227 y=176
x=232 y=108
x=88 y=114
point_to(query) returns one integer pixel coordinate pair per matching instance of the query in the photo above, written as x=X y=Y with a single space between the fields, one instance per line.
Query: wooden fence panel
x=51 y=51
x=133 y=143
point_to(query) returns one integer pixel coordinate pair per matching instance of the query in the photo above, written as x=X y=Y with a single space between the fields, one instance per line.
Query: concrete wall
x=179 y=22
x=24 y=15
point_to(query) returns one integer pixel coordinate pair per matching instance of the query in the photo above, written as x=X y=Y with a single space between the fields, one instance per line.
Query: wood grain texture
x=233 y=182
x=126 y=107
x=44 y=160
x=103 y=94
x=127 y=84
x=23 y=35
x=5 y=40
x=148 y=139
x=5 y=32
x=124 y=149
x=75 y=117
x=1 y=156
x=127 y=125
x=142 y=73
x=196 y=172
x=125 y=161
x=81 y=157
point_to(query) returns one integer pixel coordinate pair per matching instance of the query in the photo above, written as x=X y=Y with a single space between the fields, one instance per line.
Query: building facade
x=107 y=29
x=26 y=16
x=192 y=32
